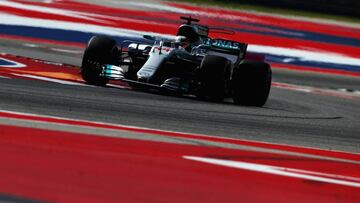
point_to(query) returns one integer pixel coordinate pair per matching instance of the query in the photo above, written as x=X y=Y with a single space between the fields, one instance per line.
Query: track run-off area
x=62 y=140
x=50 y=158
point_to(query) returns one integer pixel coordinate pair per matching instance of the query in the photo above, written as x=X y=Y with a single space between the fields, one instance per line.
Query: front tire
x=100 y=50
x=251 y=83
x=214 y=72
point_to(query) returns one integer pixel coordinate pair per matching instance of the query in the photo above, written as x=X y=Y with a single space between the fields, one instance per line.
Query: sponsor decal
x=223 y=44
x=5 y=63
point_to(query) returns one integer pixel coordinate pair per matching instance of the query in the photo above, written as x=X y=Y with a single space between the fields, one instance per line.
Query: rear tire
x=214 y=72
x=251 y=83
x=100 y=50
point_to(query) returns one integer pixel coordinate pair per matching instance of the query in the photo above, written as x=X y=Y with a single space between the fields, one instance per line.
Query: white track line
x=4 y=77
x=282 y=171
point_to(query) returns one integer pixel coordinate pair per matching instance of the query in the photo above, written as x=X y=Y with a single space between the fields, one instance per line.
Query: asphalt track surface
x=289 y=117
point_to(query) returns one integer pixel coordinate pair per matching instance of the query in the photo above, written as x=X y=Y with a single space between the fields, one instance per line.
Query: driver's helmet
x=189 y=32
x=182 y=41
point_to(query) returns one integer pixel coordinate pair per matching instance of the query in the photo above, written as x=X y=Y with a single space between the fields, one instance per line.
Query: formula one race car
x=190 y=64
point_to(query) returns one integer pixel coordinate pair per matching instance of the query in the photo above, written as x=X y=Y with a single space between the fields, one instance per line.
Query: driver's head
x=189 y=32
x=182 y=41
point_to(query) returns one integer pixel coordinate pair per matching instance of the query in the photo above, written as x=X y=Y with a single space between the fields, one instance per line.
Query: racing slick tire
x=100 y=50
x=213 y=74
x=251 y=83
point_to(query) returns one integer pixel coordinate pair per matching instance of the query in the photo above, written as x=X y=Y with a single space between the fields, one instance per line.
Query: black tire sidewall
x=251 y=83
x=213 y=73
x=100 y=50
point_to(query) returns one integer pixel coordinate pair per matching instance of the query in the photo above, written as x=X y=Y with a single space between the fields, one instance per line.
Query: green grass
x=264 y=9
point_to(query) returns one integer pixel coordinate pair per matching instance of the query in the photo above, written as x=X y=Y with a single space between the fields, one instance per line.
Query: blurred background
x=348 y=8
